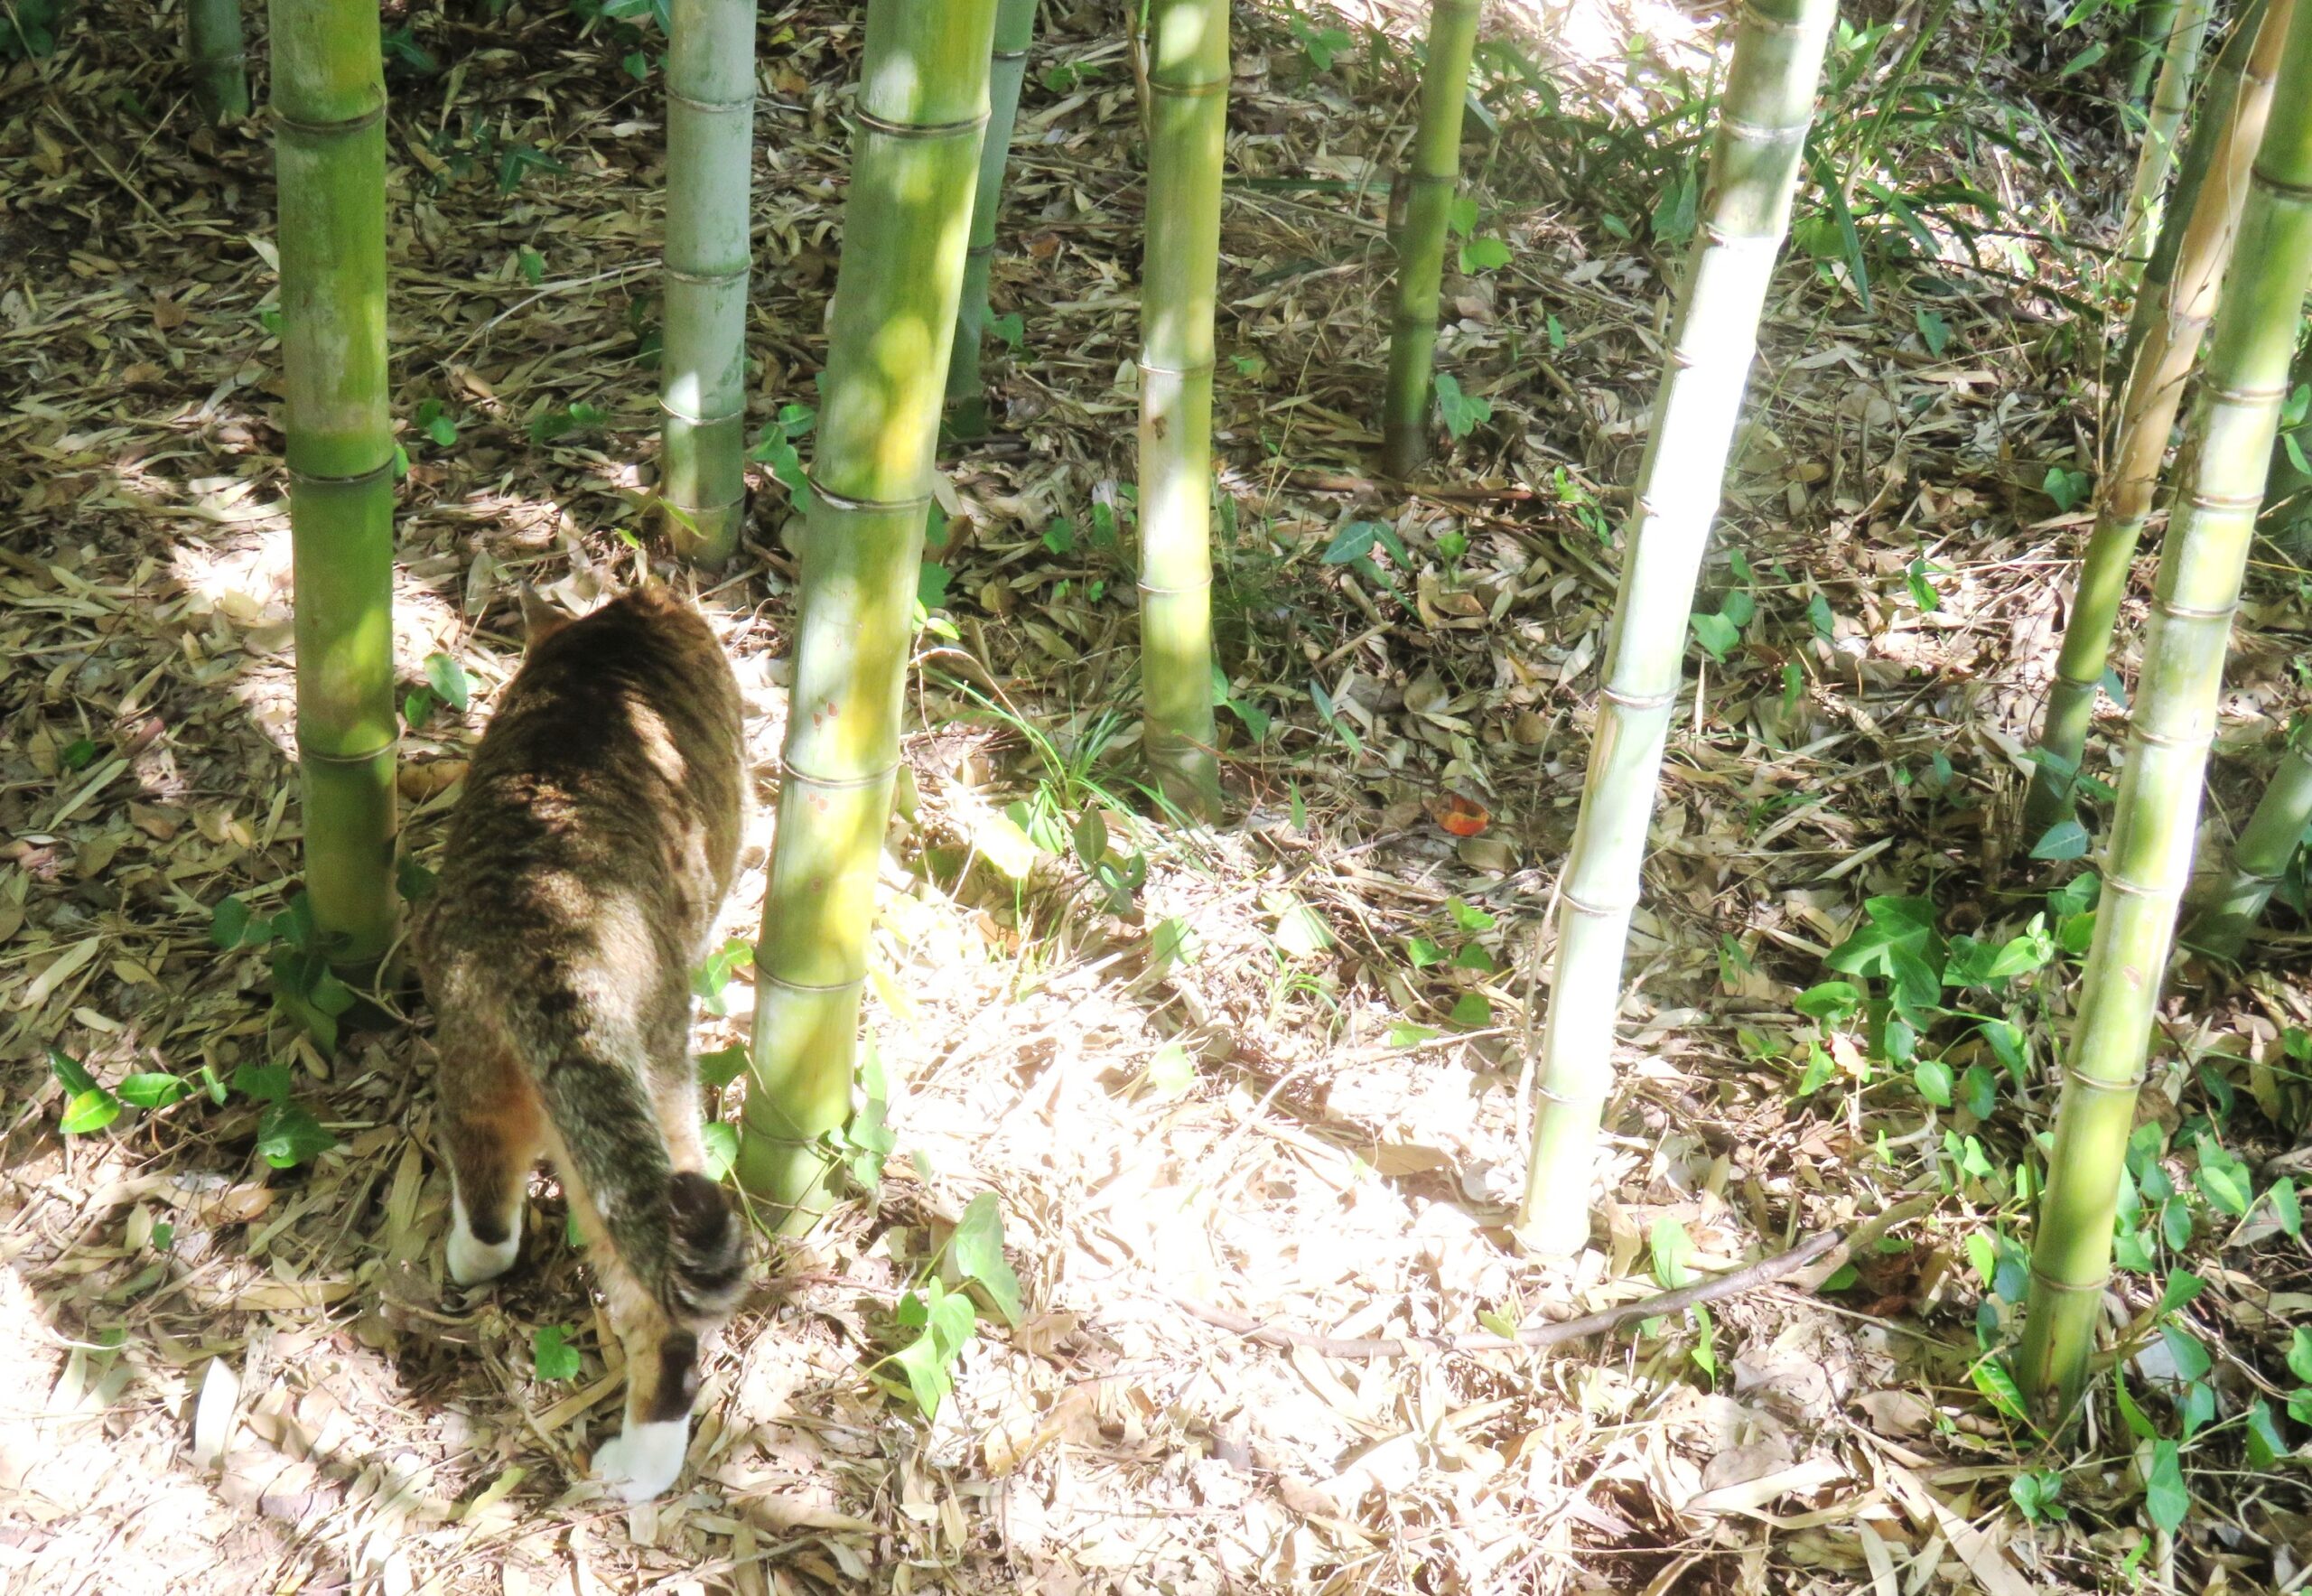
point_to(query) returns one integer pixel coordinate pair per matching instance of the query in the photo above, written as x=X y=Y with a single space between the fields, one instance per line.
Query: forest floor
x=1280 y=1078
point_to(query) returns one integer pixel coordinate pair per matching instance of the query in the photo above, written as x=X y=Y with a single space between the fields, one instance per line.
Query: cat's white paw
x=643 y=1460
x=473 y=1262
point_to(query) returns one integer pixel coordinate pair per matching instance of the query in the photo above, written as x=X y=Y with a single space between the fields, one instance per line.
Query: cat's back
x=610 y=775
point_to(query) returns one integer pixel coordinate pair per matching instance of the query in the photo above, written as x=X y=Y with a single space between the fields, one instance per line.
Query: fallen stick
x=1734 y=1283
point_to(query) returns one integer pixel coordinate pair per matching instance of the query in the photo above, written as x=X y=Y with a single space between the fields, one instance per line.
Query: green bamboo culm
x=2149 y=44
x=1434 y=175
x=2149 y=402
x=2211 y=126
x=921 y=108
x=2202 y=560
x=2225 y=908
x=2287 y=519
x=329 y=112
x=702 y=382
x=2179 y=65
x=218 y=59
x=1015 y=29
x=1188 y=83
x=1746 y=210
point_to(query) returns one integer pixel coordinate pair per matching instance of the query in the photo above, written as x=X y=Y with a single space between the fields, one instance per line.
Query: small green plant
x=1455 y=946
x=557 y=423
x=620 y=21
x=708 y=981
x=445 y=683
x=28 y=28
x=943 y=1319
x=1461 y=413
x=432 y=418
x=1319 y=46
x=776 y=448
x=2067 y=488
x=552 y=1356
x=1478 y=252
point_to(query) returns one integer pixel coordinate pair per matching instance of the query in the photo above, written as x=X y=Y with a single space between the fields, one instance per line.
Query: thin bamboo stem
x=218 y=59
x=2228 y=905
x=2148 y=861
x=2149 y=42
x=1433 y=175
x=1015 y=29
x=701 y=384
x=1188 y=84
x=329 y=102
x=2211 y=127
x=2178 y=66
x=2149 y=402
x=1762 y=128
x=922 y=108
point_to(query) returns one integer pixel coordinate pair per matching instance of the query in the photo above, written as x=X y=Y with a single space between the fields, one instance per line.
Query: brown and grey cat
x=585 y=865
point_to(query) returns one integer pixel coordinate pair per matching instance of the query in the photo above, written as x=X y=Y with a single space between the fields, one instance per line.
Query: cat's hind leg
x=492 y=1131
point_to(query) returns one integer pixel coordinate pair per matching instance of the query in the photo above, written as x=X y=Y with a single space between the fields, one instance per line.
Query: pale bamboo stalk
x=702 y=380
x=2148 y=862
x=2149 y=402
x=1762 y=128
x=1188 y=84
x=2227 y=905
x=2178 y=66
x=922 y=108
x=2211 y=126
x=1015 y=29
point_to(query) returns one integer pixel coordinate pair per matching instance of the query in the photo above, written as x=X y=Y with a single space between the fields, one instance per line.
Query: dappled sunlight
x=1274 y=1073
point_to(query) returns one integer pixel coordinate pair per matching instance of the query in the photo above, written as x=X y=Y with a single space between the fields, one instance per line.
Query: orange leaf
x=1461 y=817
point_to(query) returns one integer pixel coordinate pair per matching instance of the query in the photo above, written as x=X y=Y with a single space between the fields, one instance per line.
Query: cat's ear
x=540 y=619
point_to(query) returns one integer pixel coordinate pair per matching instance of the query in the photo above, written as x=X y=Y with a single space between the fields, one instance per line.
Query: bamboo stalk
x=1434 y=175
x=1187 y=85
x=329 y=104
x=2178 y=66
x=218 y=59
x=2211 y=127
x=1745 y=211
x=2226 y=907
x=2149 y=402
x=701 y=384
x=2149 y=42
x=2201 y=563
x=921 y=110
x=1015 y=29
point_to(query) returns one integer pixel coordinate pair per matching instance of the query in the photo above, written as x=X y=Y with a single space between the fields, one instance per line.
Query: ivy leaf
x=979 y=1254
x=720 y=1068
x=1716 y=634
x=1171 y=1072
x=1483 y=254
x=447 y=677
x=1462 y=412
x=288 y=1134
x=2165 y=1496
x=551 y=1354
x=720 y=1141
x=1671 y=1250
x=1472 y=1011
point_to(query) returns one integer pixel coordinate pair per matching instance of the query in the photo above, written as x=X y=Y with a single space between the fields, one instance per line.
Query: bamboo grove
x=2222 y=251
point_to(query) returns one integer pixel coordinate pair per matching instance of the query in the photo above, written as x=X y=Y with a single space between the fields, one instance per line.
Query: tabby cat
x=585 y=865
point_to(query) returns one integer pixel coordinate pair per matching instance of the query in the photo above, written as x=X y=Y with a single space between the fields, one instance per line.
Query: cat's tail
x=674 y=1231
